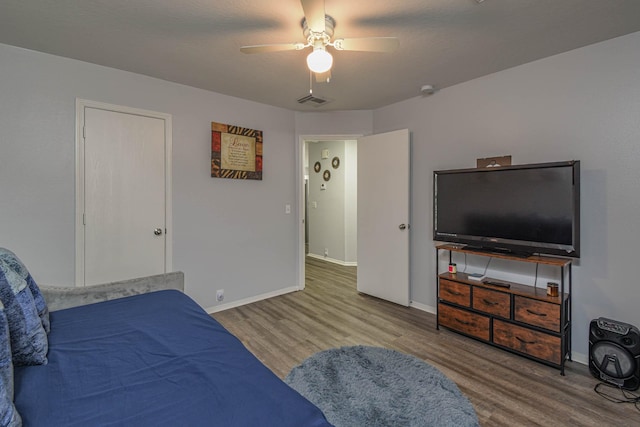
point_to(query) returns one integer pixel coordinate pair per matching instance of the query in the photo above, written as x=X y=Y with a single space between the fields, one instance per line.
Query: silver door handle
x=157 y=231
x=402 y=226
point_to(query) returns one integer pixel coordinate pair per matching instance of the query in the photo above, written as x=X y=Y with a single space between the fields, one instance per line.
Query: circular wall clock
x=335 y=162
x=317 y=167
x=326 y=175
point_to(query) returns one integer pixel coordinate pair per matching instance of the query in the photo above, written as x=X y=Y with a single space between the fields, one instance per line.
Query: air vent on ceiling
x=313 y=100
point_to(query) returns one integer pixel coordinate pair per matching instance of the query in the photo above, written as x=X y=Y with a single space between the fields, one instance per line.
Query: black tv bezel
x=517 y=247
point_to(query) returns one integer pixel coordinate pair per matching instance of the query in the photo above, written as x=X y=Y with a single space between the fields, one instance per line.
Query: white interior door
x=383 y=216
x=124 y=195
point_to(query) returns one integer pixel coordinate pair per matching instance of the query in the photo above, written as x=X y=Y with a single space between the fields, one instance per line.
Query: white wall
x=227 y=234
x=584 y=105
x=343 y=123
x=332 y=222
x=351 y=201
x=326 y=219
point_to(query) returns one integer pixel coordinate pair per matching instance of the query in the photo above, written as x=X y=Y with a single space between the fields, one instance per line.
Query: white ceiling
x=197 y=42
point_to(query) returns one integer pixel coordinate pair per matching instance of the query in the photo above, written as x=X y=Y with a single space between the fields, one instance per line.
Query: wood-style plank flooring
x=505 y=389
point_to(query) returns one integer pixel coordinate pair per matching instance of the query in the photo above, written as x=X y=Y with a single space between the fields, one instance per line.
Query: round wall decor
x=326 y=175
x=317 y=167
x=335 y=162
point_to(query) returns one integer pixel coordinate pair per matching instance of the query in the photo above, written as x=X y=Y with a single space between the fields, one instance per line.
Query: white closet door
x=124 y=195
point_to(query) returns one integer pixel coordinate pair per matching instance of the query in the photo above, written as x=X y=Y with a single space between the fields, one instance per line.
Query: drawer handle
x=455 y=293
x=524 y=341
x=463 y=322
x=536 y=313
x=486 y=301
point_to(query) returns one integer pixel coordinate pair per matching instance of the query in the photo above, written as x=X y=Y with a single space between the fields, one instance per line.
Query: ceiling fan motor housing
x=310 y=35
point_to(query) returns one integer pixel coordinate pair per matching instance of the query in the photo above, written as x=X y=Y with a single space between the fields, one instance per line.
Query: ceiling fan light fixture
x=319 y=61
x=317 y=29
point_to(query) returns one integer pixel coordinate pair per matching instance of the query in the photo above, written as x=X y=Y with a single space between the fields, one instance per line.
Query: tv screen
x=526 y=208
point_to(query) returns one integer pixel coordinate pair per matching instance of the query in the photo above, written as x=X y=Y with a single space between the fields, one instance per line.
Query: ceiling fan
x=317 y=28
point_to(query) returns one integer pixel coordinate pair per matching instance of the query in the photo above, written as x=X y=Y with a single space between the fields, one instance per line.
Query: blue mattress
x=153 y=360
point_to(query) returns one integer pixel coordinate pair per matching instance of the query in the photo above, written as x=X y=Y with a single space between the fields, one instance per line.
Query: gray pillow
x=9 y=416
x=28 y=339
x=18 y=266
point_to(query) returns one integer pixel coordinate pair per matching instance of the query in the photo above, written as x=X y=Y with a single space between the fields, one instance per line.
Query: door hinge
x=84 y=132
x=84 y=219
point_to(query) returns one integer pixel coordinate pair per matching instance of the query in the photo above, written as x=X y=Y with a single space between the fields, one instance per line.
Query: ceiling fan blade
x=368 y=44
x=314 y=14
x=323 y=77
x=262 y=48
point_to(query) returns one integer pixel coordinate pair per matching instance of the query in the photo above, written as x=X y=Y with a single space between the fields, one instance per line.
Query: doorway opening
x=327 y=200
x=381 y=212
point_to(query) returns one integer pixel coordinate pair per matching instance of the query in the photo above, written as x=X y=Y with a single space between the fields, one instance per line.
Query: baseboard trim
x=245 y=301
x=335 y=261
x=422 y=307
x=580 y=358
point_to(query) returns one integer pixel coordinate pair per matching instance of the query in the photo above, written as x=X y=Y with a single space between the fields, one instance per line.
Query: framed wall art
x=236 y=152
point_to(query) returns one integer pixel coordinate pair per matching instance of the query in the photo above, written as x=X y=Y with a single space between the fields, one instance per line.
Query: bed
x=152 y=359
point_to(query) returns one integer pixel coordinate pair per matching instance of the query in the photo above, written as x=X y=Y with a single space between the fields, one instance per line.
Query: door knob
x=157 y=231
x=402 y=226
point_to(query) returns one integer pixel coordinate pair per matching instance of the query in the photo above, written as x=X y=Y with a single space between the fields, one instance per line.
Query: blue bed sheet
x=156 y=359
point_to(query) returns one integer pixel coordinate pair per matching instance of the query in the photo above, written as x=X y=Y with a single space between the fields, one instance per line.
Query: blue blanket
x=152 y=360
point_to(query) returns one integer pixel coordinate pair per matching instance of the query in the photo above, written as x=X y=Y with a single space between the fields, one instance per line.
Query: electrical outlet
x=326 y=252
x=220 y=295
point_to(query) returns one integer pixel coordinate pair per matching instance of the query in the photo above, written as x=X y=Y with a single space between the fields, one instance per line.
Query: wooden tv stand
x=521 y=319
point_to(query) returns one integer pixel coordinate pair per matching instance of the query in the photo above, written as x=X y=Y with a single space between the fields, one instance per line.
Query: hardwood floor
x=505 y=389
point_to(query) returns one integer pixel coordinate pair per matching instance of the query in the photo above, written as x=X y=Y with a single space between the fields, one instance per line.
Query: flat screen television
x=524 y=209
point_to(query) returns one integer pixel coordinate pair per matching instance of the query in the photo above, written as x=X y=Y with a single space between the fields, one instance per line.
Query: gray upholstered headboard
x=59 y=298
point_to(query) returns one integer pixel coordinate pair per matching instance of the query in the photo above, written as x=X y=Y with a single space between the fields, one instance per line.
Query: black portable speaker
x=614 y=353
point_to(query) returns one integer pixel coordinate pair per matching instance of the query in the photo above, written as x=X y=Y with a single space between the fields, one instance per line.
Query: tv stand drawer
x=457 y=293
x=464 y=321
x=492 y=302
x=527 y=341
x=537 y=313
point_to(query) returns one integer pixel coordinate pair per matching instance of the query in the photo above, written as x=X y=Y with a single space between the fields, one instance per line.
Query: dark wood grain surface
x=492 y=302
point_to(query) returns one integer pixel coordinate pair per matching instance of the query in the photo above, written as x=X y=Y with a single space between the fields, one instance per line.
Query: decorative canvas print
x=236 y=152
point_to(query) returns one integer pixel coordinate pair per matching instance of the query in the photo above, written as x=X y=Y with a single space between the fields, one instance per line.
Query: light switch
x=314 y=205
x=287 y=208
